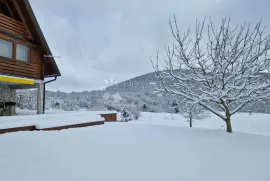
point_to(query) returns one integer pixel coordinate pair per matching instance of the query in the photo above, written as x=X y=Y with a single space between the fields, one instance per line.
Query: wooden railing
x=12 y=25
x=17 y=68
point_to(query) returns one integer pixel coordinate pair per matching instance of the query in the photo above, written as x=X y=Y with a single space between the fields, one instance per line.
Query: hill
x=142 y=83
x=137 y=93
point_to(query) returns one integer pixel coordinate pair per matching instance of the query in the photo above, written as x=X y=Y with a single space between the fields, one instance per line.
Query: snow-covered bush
x=192 y=111
x=112 y=101
x=136 y=114
x=125 y=116
x=130 y=112
x=116 y=98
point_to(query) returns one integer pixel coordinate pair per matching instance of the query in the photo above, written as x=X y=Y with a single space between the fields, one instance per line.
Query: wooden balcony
x=12 y=26
x=18 y=68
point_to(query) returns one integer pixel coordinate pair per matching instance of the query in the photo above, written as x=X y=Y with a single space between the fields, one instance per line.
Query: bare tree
x=227 y=68
x=192 y=111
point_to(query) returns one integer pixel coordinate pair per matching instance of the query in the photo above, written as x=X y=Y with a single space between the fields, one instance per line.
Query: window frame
x=14 y=47
x=15 y=54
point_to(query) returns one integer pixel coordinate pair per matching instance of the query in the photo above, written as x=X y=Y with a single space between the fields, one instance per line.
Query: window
x=6 y=48
x=22 y=52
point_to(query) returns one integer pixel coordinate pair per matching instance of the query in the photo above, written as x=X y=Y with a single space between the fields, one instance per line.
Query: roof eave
x=41 y=35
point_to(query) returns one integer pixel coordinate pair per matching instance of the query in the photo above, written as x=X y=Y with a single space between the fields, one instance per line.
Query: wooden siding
x=12 y=37
x=30 y=69
x=18 y=68
x=13 y=26
x=110 y=117
x=36 y=58
x=50 y=67
x=22 y=24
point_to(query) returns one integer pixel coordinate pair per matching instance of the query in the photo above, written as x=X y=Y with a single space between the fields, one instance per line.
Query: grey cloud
x=114 y=39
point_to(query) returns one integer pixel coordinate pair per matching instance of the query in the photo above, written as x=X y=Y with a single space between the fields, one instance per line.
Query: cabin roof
x=50 y=67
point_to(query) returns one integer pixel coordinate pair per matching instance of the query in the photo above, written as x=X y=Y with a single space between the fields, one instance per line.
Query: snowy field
x=157 y=147
x=256 y=123
x=241 y=122
x=126 y=152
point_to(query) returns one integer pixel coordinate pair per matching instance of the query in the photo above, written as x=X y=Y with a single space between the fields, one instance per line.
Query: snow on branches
x=228 y=67
x=192 y=111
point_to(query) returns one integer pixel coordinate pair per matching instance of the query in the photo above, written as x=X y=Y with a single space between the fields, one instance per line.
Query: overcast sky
x=113 y=39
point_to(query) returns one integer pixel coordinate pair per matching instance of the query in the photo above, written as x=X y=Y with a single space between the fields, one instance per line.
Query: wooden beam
x=15 y=3
x=18 y=38
x=8 y=7
x=14 y=50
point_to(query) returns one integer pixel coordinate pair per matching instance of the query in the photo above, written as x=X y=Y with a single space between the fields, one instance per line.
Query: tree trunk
x=190 y=122
x=229 y=125
x=228 y=116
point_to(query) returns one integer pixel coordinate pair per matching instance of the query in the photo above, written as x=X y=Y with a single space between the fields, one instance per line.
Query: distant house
x=25 y=57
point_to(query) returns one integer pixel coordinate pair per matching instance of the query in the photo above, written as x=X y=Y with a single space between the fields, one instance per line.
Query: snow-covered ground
x=132 y=152
x=157 y=147
x=256 y=123
x=241 y=122
x=51 y=118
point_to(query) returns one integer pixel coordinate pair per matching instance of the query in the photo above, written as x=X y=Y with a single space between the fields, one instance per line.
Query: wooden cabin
x=25 y=57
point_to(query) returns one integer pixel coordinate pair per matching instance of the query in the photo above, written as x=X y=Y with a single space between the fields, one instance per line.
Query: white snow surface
x=256 y=123
x=132 y=152
x=157 y=147
x=51 y=119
